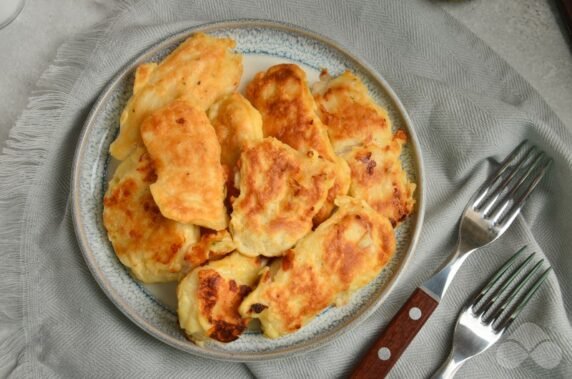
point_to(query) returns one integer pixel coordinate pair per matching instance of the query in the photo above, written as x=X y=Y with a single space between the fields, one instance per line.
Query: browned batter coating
x=202 y=69
x=190 y=186
x=326 y=267
x=283 y=97
x=209 y=297
x=150 y=245
x=379 y=179
x=212 y=245
x=349 y=113
x=281 y=189
x=237 y=124
x=360 y=131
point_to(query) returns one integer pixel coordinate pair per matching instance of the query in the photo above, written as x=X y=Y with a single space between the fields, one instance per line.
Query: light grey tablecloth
x=469 y=109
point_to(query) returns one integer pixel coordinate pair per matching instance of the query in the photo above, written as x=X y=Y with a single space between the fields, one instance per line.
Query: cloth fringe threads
x=22 y=157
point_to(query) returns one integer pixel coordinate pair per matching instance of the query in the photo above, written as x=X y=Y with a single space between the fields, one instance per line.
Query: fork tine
x=507 y=282
x=515 y=209
x=522 y=303
x=514 y=292
x=492 y=199
x=507 y=200
x=483 y=190
x=496 y=277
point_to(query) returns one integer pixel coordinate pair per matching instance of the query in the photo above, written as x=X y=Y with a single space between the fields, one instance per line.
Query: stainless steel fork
x=492 y=209
x=489 y=213
x=486 y=317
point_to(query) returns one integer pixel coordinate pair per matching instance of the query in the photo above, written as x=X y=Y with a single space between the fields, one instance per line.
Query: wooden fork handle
x=393 y=341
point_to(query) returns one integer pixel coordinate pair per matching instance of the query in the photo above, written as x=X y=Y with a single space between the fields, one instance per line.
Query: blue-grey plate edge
x=241 y=356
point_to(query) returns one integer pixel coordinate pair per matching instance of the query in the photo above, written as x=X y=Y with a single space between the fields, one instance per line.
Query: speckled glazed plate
x=153 y=307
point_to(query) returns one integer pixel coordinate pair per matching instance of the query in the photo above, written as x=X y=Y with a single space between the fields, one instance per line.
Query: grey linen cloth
x=469 y=108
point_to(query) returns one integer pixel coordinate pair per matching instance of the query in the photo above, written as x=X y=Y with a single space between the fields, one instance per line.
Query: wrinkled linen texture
x=469 y=109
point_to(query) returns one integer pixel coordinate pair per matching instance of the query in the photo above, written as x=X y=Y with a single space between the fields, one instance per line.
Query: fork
x=489 y=213
x=479 y=326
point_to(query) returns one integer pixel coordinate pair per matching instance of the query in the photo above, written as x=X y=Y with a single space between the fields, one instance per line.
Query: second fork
x=486 y=317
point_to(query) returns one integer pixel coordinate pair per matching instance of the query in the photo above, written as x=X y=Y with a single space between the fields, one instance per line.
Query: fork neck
x=451 y=365
x=438 y=284
x=461 y=251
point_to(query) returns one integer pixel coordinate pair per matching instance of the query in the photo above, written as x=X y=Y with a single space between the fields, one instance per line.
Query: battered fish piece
x=209 y=297
x=350 y=114
x=379 y=179
x=281 y=190
x=326 y=267
x=201 y=69
x=360 y=131
x=237 y=124
x=190 y=186
x=283 y=97
x=150 y=245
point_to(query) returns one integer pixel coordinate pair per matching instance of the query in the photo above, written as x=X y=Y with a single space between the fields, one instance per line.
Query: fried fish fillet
x=379 y=179
x=201 y=69
x=237 y=124
x=150 y=245
x=326 y=267
x=190 y=186
x=209 y=297
x=360 y=131
x=283 y=97
x=281 y=189
x=350 y=114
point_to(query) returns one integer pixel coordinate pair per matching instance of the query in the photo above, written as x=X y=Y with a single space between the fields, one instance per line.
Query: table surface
x=526 y=33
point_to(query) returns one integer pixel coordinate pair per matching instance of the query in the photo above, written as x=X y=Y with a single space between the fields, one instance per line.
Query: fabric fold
x=22 y=158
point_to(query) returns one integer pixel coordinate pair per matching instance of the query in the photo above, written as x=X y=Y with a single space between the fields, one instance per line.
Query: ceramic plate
x=153 y=307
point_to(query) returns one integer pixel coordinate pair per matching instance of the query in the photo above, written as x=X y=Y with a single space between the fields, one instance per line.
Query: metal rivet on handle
x=415 y=313
x=384 y=353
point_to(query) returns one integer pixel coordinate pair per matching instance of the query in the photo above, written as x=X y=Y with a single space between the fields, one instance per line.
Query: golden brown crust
x=351 y=116
x=237 y=124
x=341 y=187
x=212 y=245
x=149 y=244
x=209 y=297
x=280 y=191
x=285 y=102
x=360 y=130
x=226 y=296
x=190 y=187
x=283 y=97
x=342 y=255
x=200 y=70
x=142 y=76
x=379 y=179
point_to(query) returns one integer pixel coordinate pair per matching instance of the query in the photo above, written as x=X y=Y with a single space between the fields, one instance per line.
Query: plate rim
x=117 y=300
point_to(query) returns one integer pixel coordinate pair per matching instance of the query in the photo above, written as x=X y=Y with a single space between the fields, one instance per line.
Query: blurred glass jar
x=9 y=10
